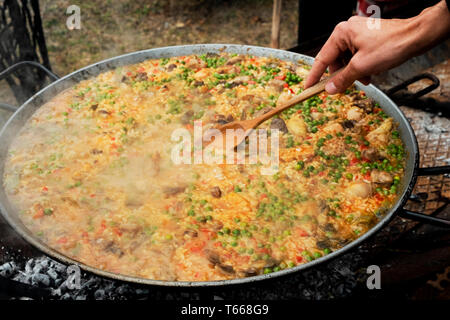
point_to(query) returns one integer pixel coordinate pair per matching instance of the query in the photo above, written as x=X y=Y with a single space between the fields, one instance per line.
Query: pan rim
x=22 y=230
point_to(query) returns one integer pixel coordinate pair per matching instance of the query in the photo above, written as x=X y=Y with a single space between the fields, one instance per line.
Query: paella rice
x=91 y=172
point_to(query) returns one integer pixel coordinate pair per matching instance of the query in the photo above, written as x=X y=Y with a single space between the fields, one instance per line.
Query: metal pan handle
x=5 y=73
x=423 y=217
x=404 y=85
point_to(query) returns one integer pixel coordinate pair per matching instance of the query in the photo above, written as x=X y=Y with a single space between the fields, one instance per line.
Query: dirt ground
x=110 y=28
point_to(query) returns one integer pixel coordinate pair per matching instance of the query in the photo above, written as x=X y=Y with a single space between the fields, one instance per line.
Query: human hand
x=374 y=50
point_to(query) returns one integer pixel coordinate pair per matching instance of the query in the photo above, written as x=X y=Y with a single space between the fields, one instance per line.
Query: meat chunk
x=212 y=256
x=359 y=189
x=126 y=80
x=355 y=113
x=279 y=124
x=103 y=112
x=297 y=126
x=371 y=154
x=234 y=60
x=333 y=128
x=172 y=191
x=239 y=80
x=349 y=124
x=382 y=177
x=187 y=117
x=226 y=268
x=113 y=248
x=141 y=76
x=170 y=67
x=96 y=151
x=278 y=85
x=250 y=272
x=365 y=104
x=216 y=192
x=191 y=233
x=216 y=225
x=221 y=119
x=323 y=244
x=380 y=136
x=195 y=64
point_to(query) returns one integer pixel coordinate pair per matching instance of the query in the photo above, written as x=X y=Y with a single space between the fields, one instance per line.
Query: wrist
x=430 y=27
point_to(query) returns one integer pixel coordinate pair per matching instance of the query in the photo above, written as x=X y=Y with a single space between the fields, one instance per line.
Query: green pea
x=267 y=270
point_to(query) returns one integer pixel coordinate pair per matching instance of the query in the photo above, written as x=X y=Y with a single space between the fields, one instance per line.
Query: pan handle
x=435 y=83
x=5 y=73
x=432 y=171
x=420 y=217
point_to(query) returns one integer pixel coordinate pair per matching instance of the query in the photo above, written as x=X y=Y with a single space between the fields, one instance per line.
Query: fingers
x=345 y=78
x=328 y=55
x=365 y=80
x=335 y=66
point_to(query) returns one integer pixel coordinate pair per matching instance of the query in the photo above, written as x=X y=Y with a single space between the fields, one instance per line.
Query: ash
x=45 y=273
x=338 y=279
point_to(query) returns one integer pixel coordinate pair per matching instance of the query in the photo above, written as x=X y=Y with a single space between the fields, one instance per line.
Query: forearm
x=430 y=27
x=375 y=50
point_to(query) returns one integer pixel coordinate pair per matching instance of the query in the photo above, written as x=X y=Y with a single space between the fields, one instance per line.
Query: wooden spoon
x=246 y=126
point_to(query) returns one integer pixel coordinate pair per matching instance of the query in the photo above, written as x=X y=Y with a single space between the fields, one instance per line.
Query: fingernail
x=331 y=88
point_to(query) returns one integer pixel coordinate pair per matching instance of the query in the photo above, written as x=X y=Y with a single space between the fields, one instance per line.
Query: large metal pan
x=17 y=121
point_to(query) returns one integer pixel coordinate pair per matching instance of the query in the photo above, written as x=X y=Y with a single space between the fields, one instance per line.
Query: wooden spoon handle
x=305 y=94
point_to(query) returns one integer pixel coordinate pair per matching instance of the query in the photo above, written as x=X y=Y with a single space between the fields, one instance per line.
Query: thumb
x=343 y=80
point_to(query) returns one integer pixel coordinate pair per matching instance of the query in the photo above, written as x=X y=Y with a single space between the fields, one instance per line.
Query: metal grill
x=433 y=135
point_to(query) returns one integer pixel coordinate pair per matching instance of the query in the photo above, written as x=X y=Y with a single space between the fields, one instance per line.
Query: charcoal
x=40 y=280
x=52 y=274
x=7 y=269
x=99 y=294
x=66 y=296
